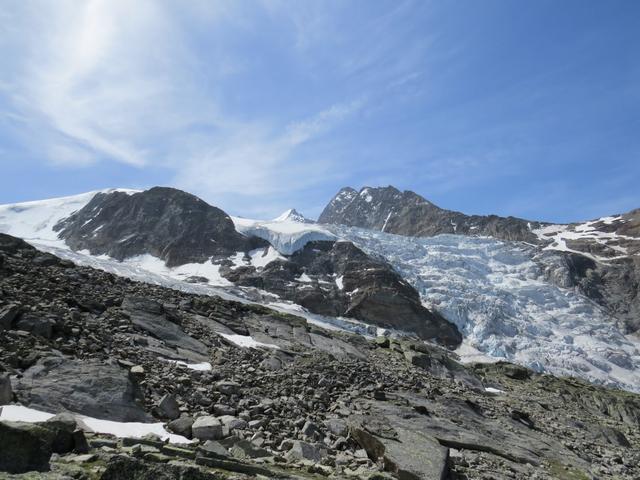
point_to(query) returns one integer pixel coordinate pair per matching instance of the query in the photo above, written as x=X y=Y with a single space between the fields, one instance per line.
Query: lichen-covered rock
x=24 y=447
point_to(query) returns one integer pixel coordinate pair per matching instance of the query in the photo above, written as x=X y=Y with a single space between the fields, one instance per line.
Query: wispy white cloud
x=120 y=81
x=255 y=161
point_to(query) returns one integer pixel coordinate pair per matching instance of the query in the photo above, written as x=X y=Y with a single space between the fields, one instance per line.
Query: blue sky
x=510 y=107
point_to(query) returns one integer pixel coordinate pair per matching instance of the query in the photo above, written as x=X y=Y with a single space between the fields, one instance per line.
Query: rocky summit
x=406 y=213
x=170 y=224
x=148 y=335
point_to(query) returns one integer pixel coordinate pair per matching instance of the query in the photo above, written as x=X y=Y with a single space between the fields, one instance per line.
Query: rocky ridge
x=389 y=210
x=322 y=404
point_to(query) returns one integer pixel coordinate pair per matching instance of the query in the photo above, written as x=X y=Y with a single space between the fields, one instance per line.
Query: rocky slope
x=262 y=393
x=176 y=230
x=602 y=256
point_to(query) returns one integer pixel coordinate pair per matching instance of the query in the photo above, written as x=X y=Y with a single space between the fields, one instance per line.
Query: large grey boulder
x=8 y=313
x=181 y=426
x=37 y=325
x=24 y=447
x=168 y=407
x=88 y=387
x=403 y=448
x=207 y=428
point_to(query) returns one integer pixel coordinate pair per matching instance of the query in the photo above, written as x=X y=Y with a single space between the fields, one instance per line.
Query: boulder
x=63 y=426
x=123 y=467
x=8 y=314
x=207 y=428
x=88 y=387
x=168 y=407
x=244 y=449
x=305 y=451
x=228 y=387
x=151 y=317
x=42 y=327
x=404 y=449
x=24 y=447
x=337 y=426
x=181 y=426
x=233 y=423
x=6 y=393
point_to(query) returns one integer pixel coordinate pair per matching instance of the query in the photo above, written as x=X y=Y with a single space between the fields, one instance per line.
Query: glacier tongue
x=498 y=296
x=287 y=235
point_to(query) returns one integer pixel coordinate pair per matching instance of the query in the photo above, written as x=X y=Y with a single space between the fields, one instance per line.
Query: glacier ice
x=498 y=295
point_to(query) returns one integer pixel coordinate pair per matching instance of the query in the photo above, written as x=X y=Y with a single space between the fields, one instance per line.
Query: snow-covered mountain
x=510 y=300
x=602 y=256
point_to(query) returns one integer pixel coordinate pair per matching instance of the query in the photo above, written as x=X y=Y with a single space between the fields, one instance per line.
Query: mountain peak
x=292 y=215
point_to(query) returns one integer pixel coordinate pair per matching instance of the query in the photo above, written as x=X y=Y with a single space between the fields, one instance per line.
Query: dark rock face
x=406 y=213
x=6 y=393
x=92 y=388
x=615 y=285
x=339 y=279
x=24 y=447
x=167 y=223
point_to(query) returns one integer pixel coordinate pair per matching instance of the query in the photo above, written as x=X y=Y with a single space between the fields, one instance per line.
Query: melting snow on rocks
x=18 y=413
x=246 y=341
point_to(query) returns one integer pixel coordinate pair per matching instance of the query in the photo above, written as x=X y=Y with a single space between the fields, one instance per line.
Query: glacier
x=287 y=233
x=499 y=296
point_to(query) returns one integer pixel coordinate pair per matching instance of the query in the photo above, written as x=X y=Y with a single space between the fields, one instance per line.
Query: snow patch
x=493 y=390
x=18 y=413
x=199 y=367
x=246 y=341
